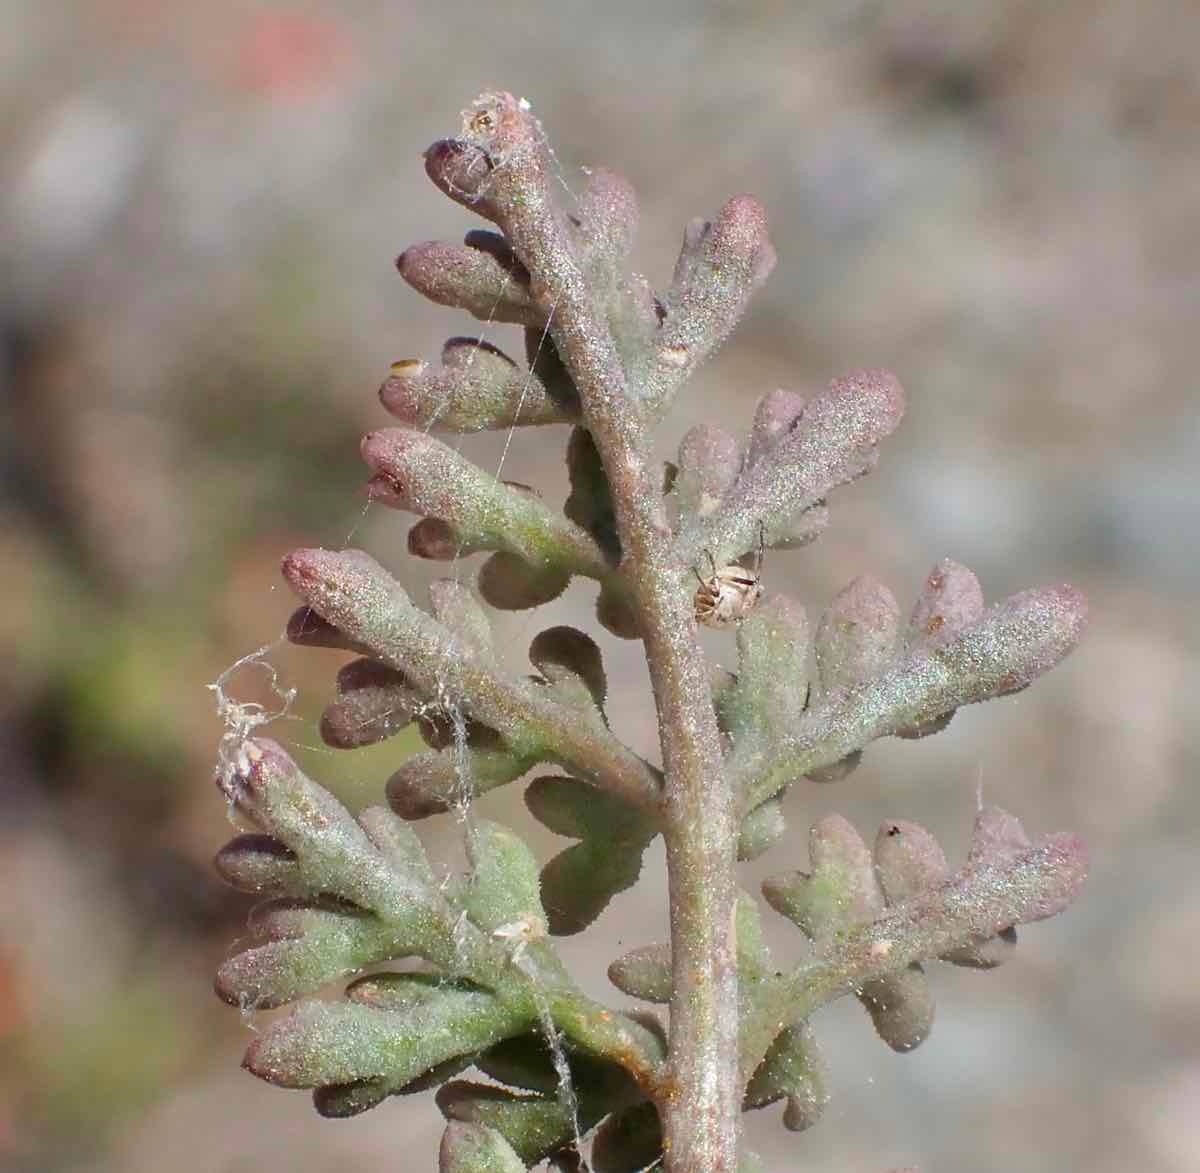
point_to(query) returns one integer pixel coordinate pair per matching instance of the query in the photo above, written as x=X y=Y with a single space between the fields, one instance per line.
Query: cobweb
x=242 y=719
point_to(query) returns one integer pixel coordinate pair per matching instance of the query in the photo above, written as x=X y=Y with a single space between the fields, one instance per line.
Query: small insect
x=730 y=593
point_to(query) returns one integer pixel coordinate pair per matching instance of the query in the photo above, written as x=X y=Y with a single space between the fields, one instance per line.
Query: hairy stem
x=700 y=1104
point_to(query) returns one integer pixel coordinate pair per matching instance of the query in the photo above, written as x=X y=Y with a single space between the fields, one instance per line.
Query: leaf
x=323 y=1043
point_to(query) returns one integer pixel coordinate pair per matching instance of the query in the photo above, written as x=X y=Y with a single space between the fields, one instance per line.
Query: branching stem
x=701 y=1105
x=969 y=908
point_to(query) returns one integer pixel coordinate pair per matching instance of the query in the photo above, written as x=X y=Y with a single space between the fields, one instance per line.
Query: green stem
x=701 y=1101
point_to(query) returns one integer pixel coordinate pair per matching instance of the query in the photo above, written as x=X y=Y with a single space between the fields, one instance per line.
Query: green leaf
x=771 y=690
x=475 y=1148
x=577 y=884
x=761 y=829
x=589 y=504
x=533 y=1125
x=310 y=948
x=322 y=1043
x=644 y=973
x=793 y=1068
x=628 y=1141
x=504 y=879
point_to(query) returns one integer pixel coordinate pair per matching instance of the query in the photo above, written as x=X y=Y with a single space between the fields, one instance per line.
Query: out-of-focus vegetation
x=198 y=213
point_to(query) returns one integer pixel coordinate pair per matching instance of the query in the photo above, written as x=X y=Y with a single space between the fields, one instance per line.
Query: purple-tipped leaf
x=374 y=703
x=307 y=629
x=333 y=852
x=950 y=601
x=857 y=637
x=607 y=211
x=463 y=171
x=302 y=950
x=476 y=387
x=1010 y=646
x=440 y=780
x=775 y=416
x=908 y=860
x=260 y=864
x=353 y=592
x=473 y=279
x=419 y=473
x=721 y=265
x=709 y=462
x=834 y=441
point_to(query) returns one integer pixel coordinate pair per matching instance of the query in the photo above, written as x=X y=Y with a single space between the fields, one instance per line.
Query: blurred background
x=199 y=209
